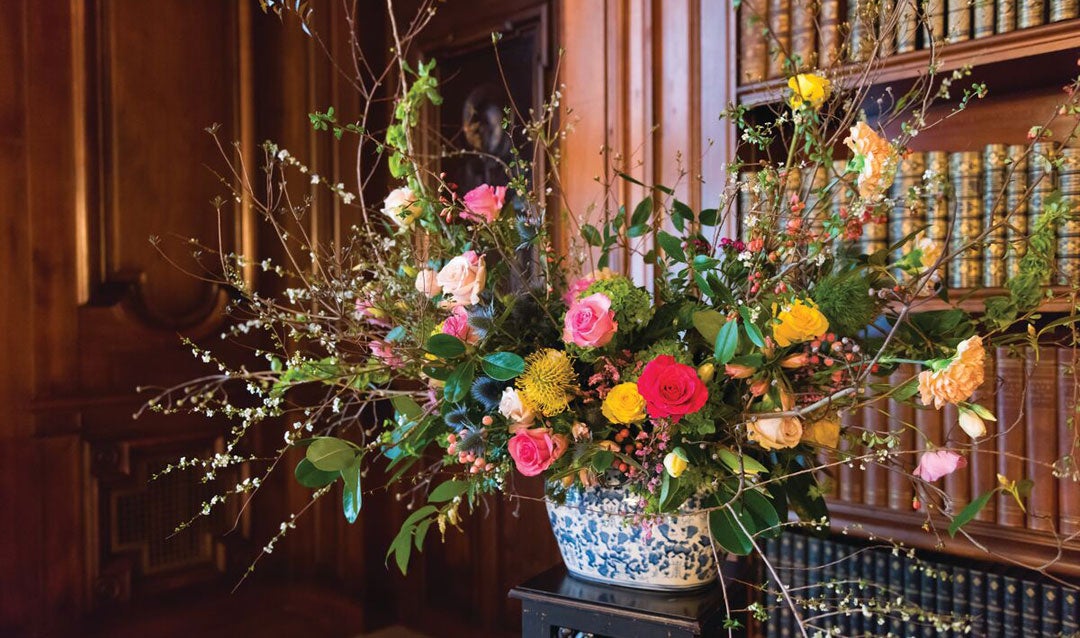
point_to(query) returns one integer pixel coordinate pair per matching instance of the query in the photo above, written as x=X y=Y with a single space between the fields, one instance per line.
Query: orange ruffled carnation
x=879 y=161
x=957 y=381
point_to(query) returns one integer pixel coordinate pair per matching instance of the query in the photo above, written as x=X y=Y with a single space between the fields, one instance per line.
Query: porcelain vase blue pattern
x=601 y=540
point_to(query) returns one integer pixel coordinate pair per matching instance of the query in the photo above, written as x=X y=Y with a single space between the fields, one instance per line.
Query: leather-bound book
x=829 y=41
x=861 y=38
x=1068 y=426
x=907 y=26
x=936 y=193
x=1041 y=430
x=909 y=210
x=1011 y=439
x=849 y=477
x=984 y=19
x=983 y=461
x=1068 y=236
x=1040 y=181
x=902 y=426
x=875 y=476
x=1005 y=20
x=993 y=215
x=803 y=38
x=1016 y=207
x=780 y=43
x=965 y=172
x=934 y=27
x=886 y=28
x=753 y=47
x=957 y=20
x=1030 y=13
x=1064 y=10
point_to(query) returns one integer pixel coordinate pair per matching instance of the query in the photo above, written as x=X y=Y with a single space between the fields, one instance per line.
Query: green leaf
x=969 y=512
x=445 y=346
x=708 y=323
x=727 y=340
x=351 y=496
x=740 y=464
x=459 y=382
x=448 y=491
x=906 y=390
x=672 y=245
x=708 y=217
x=406 y=407
x=591 y=235
x=310 y=476
x=728 y=533
x=682 y=210
x=752 y=331
x=601 y=461
x=642 y=212
x=330 y=454
x=503 y=365
x=637 y=230
x=766 y=520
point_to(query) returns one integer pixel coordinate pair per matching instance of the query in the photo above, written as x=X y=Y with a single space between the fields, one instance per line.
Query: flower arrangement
x=724 y=379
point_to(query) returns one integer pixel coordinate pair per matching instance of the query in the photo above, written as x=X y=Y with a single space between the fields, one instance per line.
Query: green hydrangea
x=632 y=306
x=666 y=346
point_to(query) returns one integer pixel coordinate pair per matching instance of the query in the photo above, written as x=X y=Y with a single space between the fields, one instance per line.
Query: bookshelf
x=1025 y=69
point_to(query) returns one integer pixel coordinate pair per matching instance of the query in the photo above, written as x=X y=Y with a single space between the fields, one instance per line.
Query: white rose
x=972 y=423
x=512 y=407
x=463 y=278
x=427 y=282
x=401 y=206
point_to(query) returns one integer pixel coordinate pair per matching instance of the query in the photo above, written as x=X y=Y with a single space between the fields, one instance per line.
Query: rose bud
x=795 y=361
x=739 y=371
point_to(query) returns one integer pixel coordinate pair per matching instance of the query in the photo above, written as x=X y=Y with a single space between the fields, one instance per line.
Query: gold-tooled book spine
x=860 y=21
x=1068 y=246
x=803 y=41
x=984 y=18
x=1030 y=13
x=1041 y=181
x=965 y=171
x=1016 y=207
x=993 y=215
x=1006 y=16
x=934 y=27
x=907 y=26
x=829 y=33
x=958 y=20
x=754 y=49
x=814 y=183
x=887 y=27
x=780 y=43
x=747 y=202
x=1064 y=10
x=936 y=181
x=909 y=210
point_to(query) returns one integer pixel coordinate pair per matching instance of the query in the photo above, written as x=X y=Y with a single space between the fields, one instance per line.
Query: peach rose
x=427 y=283
x=775 y=433
x=402 y=207
x=879 y=160
x=958 y=380
x=463 y=278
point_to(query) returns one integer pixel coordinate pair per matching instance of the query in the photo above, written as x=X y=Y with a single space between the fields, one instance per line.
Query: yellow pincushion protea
x=548 y=381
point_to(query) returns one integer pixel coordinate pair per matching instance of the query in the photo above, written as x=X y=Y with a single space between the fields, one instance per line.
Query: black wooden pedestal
x=555 y=600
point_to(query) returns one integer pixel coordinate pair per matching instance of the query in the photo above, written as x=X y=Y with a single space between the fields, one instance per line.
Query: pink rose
x=484 y=203
x=937 y=463
x=457 y=325
x=671 y=389
x=579 y=286
x=463 y=278
x=590 y=322
x=535 y=450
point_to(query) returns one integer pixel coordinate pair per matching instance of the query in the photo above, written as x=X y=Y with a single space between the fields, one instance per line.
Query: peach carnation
x=879 y=161
x=958 y=380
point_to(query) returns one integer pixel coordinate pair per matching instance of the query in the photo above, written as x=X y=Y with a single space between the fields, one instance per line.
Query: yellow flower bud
x=676 y=463
x=810 y=89
x=706 y=372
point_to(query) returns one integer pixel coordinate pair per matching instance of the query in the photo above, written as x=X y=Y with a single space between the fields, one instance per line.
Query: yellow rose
x=824 y=432
x=624 y=404
x=775 y=433
x=676 y=463
x=958 y=380
x=807 y=88
x=798 y=322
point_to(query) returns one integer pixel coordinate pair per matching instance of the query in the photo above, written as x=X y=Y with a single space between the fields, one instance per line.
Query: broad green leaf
x=405 y=406
x=310 y=476
x=672 y=245
x=448 y=490
x=727 y=340
x=766 y=520
x=642 y=212
x=503 y=365
x=969 y=512
x=708 y=322
x=682 y=210
x=728 y=533
x=752 y=331
x=601 y=461
x=445 y=346
x=421 y=533
x=740 y=464
x=637 y=230
x=351 y=496
x=591 y=235
x=708 y=217
x=459 y=382
x=330 y=454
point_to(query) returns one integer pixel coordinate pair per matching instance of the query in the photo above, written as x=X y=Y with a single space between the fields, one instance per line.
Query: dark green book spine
x=961 y=587
x=995 y=612
x=1070 y=611
x=928 y=600
x=813 y=569
x=1010 y=605
x=787 y=619
x=1030 y=608
x=977 y=601
x=1050 y=597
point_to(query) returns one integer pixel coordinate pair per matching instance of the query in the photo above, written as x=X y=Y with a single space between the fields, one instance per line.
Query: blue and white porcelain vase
x=603 y=539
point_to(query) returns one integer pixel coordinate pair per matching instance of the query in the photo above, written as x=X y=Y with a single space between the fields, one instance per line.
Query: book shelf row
x=1033 y=400
x=959 y=198
x=999 y=602
x=779 y=37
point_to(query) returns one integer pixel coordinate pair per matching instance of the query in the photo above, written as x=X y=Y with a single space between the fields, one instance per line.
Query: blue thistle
x=457 y=418
x=487 y=392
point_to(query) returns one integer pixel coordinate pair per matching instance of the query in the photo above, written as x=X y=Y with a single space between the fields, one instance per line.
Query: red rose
x=671 y=389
